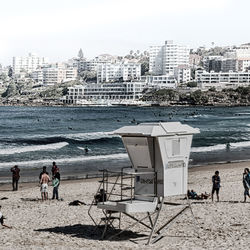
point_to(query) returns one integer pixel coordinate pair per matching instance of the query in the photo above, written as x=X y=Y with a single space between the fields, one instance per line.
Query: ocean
x=32 y=137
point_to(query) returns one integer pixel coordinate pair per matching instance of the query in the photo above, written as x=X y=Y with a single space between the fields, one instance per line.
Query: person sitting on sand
x=191 y=194
x=246 y=183
x=2 y=220
x=101 y=196
x=216 y=185
x=194 y=196
x=204 y=196
x=44 y=186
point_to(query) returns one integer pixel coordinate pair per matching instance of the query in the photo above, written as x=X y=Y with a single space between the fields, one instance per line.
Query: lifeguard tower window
x=140 y=150
x=176 y=147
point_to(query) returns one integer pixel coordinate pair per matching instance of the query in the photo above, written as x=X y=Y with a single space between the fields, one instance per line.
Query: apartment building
x=160 y=82
x=164 y=59
x=182 y=74
x=122 y=71
x=222 y=80
x=28 y=63
x=107 y=91
x=54 y=74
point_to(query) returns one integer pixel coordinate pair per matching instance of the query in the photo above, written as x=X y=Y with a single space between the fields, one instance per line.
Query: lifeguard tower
x=159 y=153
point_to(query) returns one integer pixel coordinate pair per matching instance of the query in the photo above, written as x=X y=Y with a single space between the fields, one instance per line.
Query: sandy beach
x=56 y=225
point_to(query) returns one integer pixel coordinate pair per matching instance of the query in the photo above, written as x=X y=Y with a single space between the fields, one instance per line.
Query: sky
x=57 y=29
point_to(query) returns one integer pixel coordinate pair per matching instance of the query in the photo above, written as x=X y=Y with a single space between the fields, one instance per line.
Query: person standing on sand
x=55 y=183
x=15 y=177
x=2 y=219
x=44 y=186
x=246 y=183
x=216 y=185
x=53 y=169
x=44 y=171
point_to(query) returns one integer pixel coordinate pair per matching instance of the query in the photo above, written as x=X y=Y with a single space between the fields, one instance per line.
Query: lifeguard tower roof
x=157 y=129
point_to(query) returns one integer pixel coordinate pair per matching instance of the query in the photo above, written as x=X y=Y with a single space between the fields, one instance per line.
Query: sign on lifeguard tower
x=161 y=148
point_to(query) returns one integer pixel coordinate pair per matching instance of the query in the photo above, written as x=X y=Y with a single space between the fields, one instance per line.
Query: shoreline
x=31 y=175
x=143 y=105
x=89 y=177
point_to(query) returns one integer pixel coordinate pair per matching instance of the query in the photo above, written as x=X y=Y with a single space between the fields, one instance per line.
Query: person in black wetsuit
x=216 y=185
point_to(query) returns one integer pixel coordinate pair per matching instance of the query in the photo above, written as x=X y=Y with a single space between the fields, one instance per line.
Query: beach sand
x=56 y=225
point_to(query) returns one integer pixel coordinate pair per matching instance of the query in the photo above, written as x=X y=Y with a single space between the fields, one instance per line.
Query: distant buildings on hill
x=126 y=77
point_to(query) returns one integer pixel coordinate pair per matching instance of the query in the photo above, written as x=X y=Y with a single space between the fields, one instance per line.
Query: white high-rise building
x=28 y=63
x=124 y=71
x=164 y=59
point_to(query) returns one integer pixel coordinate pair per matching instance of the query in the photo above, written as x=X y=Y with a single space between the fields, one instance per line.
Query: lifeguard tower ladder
x=159 y=153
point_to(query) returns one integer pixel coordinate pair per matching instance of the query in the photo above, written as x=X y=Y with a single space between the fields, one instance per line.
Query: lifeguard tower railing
x=118 y=186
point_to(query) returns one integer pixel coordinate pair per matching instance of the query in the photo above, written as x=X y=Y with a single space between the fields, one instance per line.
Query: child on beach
x=246 y=183
x=2 y=219
x=216 y=185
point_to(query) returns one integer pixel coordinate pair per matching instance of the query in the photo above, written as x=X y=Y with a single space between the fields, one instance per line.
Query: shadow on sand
x=91 y=232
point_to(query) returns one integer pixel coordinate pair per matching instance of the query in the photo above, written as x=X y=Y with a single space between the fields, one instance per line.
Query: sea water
x=32 y=137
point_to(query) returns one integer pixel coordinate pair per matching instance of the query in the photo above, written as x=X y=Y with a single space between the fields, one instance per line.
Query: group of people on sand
x=216 y=187
x=44 y=180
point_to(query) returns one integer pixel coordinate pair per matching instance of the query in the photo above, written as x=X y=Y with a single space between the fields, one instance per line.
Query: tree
x=192 y=84
x=80 y=54
x=88 y=76
x=196 y=97
x=144 y=67
x=10 y=72
x=11 y=90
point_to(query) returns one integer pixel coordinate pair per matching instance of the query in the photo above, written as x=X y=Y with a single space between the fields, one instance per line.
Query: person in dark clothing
x=101 y=196
x=44 y=171
x=216 y=185
x=53 y=169
x=56 y=183
x=246 y=183
x=15 y=177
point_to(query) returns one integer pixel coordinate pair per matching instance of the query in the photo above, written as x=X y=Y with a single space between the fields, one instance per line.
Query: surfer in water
x=228 y=146
x=86 y=149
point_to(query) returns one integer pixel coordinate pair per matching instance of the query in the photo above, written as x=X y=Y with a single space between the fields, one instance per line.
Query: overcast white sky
x=58 y=28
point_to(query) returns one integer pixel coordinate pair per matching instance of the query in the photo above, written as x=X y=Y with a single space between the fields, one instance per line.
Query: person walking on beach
x=246 y=183
x=55 y=183
x=2 y=219
x=44 y=186
x=15 y=177
x=216 y=185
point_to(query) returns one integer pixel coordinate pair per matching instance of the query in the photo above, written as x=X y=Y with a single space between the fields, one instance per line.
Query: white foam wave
x=24 y=149
x=209 y=148
x=66 y=160
x=90 y=136
x=218 y=147
x=76 y=136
